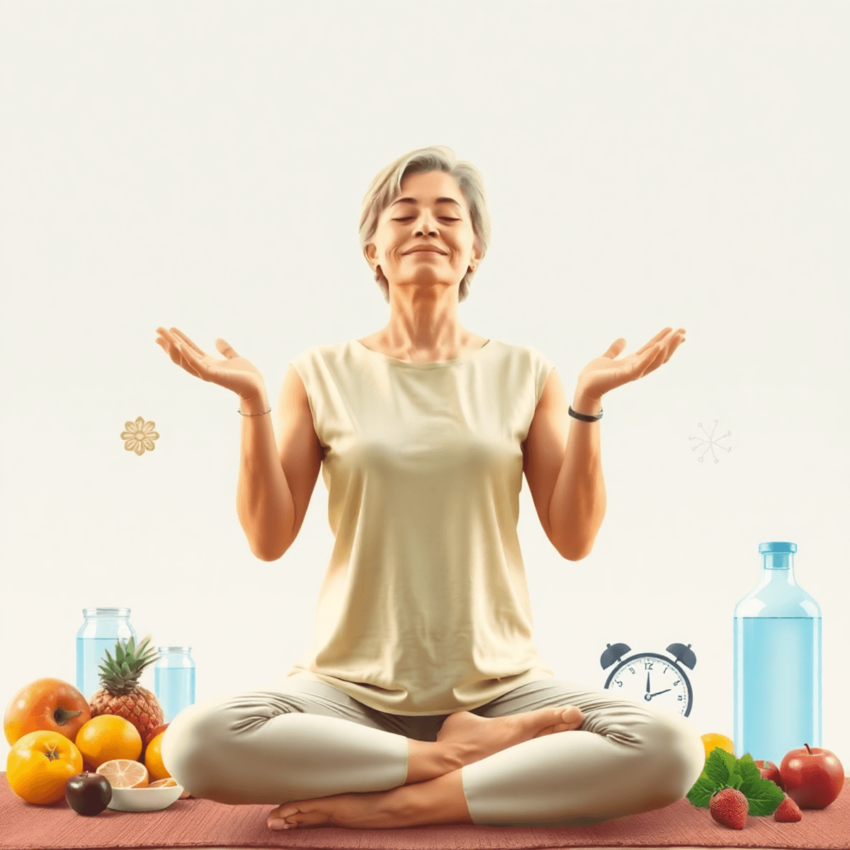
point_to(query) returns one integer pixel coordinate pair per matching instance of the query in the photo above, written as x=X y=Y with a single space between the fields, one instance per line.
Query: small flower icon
x=139 y=436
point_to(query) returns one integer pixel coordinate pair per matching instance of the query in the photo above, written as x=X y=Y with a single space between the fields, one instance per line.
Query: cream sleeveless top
x=424 y=607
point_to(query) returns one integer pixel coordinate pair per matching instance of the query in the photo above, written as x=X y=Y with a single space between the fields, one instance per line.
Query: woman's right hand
x=234 y=373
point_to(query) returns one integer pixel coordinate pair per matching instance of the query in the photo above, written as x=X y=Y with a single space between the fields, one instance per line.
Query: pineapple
x=122 y=695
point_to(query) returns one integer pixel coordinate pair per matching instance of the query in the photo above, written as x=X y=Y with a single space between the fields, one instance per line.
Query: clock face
x=654 y=680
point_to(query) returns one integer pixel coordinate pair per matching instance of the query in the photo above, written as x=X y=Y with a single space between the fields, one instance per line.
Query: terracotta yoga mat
x=202 y=823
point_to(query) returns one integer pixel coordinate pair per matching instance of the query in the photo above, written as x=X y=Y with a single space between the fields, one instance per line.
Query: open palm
x=605 y=373
x=234 y=372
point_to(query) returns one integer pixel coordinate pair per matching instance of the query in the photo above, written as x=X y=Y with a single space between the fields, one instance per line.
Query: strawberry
x=787 y=811
x=729 y=807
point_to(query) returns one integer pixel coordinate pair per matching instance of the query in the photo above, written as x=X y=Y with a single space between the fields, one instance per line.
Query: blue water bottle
x=777 y=662
x=174 y=680
x=102 y=628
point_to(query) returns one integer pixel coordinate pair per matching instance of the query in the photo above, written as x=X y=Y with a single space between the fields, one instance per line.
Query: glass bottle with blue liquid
x=102 y=628
x=777 y=662
x=174 y=680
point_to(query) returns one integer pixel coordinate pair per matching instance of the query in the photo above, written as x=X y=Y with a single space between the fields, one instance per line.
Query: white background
x=201 y=165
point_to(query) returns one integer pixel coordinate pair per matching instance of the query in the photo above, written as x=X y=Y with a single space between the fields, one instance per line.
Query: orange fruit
x=163 y=783
x=108 y=737
x=150 y=736
x=153 y=759
x=712 y=740
x=39 y=764
x=124 y=773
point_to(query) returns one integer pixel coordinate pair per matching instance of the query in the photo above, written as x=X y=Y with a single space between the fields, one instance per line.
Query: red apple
x=813 y=777
x=769 y=770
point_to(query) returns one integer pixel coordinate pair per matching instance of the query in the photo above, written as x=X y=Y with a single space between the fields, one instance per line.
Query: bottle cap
x=777 y=546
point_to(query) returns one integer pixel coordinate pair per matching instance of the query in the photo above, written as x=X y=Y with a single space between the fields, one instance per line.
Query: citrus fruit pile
x=51 y=745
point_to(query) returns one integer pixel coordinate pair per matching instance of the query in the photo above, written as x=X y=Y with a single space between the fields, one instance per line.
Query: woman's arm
x=263 y=497
x=579 y=498
x=578 y=503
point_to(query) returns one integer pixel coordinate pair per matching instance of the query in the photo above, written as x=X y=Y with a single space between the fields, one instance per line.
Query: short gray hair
x=386 y=187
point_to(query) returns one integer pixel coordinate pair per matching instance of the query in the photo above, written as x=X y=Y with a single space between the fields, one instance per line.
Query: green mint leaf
x=722 y=770
x=720 y=766
x=716 y=774
x=764 y=798
x=763 y=795
x=700 y=793
x=746 y=768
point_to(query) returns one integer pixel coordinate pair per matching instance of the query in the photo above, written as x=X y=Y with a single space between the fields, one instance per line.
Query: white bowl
x=144 y=799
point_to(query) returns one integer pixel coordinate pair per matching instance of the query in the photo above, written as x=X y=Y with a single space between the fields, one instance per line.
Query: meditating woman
x=422 y=698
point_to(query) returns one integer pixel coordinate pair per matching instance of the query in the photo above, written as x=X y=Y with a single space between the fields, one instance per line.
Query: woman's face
x=426 y=219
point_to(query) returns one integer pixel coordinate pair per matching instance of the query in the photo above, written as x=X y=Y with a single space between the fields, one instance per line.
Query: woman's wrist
x=583 y=403
x=252 y=405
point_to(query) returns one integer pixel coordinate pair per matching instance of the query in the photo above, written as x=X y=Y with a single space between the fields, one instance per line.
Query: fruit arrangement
x=63 y=745
x=732 y=789
x=122 y=695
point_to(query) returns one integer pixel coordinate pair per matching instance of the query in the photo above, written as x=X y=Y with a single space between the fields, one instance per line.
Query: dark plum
x=88 y=793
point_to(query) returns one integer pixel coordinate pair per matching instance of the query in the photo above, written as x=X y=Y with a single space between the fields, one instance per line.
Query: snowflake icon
x=710 y=443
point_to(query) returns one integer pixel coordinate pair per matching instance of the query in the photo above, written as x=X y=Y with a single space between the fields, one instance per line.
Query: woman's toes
x=572 y=716
x=297 y=815
x=282 y=811
x=277 y=817
x=293 y=818
x=314 y=818
x=561 y=719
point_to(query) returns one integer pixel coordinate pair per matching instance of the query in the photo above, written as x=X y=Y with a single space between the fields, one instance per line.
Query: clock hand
x=647 y=681
x=650 y=696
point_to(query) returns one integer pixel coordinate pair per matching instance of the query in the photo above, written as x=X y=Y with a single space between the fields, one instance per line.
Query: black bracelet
x=584 y=417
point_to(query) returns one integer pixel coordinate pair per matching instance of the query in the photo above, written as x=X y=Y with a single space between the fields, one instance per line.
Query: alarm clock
x=651 y=677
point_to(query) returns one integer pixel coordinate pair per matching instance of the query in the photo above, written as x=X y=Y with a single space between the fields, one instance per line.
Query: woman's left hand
x=604 y=373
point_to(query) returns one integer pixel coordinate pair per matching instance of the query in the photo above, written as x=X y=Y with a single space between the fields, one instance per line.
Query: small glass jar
x=102 y=628
x=174 y=680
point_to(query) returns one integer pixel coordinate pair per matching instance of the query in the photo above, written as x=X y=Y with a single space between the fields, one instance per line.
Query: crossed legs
x=573 y=778
x=273 y=746
x=433 y=790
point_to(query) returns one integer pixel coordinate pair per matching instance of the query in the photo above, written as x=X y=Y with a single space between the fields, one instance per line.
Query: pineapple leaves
x=723 y=770
x=120 y=675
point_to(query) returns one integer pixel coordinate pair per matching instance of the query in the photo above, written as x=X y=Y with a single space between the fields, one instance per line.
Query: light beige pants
x=303 y=739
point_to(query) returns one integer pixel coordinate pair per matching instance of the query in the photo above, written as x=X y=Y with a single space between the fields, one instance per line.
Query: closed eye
x=410 y=217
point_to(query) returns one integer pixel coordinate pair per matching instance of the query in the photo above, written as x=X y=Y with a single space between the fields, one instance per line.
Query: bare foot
x=469 y=736
x=376 y=810
x=474 y=738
